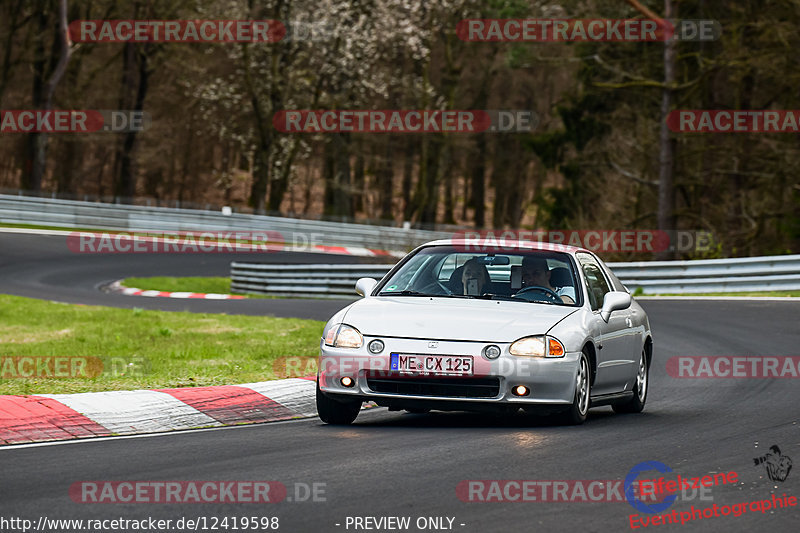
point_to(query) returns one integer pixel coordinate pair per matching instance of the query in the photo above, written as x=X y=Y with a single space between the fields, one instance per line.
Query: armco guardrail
x=122 y=217
x=772 y=273
x=776 y=273
x=303 y=281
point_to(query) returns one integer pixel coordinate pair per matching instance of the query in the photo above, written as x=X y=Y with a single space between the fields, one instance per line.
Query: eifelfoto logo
x=777 y=465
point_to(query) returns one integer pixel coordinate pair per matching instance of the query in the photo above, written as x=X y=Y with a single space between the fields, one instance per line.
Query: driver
x=536 y=273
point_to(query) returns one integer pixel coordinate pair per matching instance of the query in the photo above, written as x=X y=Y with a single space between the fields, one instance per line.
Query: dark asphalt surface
x=40 y=266
x=393 y=464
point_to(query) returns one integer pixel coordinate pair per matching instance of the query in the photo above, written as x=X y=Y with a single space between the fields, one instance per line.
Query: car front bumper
x=550 y=381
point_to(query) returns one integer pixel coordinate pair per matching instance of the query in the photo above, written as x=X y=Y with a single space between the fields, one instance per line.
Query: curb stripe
x=133 y=291
x=58 y=417
x=31 y=418
x=141 y=411
x=231 y=404
x=296 y=394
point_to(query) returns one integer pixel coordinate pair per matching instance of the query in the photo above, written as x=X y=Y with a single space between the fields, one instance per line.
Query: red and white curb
x=133 y=291
x=48 y=417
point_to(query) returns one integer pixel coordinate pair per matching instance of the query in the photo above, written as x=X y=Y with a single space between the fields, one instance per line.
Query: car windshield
x=543 y=277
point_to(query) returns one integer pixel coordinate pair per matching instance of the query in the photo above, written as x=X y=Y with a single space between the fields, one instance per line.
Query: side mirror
x=364 y=286
x=614 y=301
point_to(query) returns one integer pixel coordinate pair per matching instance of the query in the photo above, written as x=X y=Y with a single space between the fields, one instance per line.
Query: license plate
x=436 y=365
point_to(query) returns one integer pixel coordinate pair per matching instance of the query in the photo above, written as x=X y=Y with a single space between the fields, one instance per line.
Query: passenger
x=536 y=273
x=475 y=278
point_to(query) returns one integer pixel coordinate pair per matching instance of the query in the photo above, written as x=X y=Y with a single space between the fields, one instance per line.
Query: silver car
x=460 y=326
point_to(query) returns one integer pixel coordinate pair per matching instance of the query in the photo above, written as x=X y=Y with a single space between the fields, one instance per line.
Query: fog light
x=521 y=390
x=375 y=346
x=347 y=381
x=491 y=352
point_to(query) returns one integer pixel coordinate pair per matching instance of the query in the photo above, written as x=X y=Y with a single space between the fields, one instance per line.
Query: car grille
x=450 y=387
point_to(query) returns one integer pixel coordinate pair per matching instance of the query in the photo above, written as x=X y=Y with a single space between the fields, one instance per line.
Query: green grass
x=189 y=284
x=794 y=294
x=170 y=349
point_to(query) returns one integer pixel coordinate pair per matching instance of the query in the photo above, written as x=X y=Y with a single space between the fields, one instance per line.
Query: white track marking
x=299 y=395
x=141 y=411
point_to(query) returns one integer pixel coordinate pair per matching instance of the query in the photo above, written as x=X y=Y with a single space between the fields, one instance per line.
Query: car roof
x=471 y=246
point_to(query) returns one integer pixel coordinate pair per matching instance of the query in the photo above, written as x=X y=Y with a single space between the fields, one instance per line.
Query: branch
x=642 y=83
x=646 y=83
x=644 y=10
x=599 y=60
x=631 y=175
x=66 y=52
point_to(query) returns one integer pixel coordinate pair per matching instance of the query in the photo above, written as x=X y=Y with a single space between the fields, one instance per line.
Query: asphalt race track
x=41 y=266
x=396 y=464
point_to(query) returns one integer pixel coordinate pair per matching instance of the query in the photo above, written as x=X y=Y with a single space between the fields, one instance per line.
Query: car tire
x=636 y=404
x=336 y=412
x=576 y=414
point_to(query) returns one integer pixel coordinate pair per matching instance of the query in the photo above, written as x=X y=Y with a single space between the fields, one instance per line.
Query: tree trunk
x=386 y=181
x=35 y=151
x=358 y=183
x=337 y=176
x=127 y=177
x=666 y=161
x=408 y=177
x=15 y=13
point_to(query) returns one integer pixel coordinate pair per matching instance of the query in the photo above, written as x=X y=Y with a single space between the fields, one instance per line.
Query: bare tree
x=43 y=89
x=666 y=155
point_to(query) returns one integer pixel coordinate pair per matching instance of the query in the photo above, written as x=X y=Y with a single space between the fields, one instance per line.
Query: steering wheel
x=549 y=294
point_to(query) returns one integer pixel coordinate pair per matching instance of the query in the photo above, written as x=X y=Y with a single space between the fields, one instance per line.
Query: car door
x=613 y=337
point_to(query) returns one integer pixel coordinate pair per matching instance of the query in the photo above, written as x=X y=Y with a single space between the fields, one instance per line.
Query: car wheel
x=335 y=412
x=636 y=404
x=577 y=412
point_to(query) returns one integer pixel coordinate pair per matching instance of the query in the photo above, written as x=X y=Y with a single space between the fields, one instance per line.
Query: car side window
x=596 y=284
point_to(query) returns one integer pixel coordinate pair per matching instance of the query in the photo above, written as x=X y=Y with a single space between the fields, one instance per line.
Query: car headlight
x=343 y=336
x=535 y=347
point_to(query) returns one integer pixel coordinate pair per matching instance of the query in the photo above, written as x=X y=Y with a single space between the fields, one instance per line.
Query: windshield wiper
x=500 y=297
x=505 y=298
x=403 y=293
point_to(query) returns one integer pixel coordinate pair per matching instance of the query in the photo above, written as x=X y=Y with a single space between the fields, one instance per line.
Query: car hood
x=453 y=318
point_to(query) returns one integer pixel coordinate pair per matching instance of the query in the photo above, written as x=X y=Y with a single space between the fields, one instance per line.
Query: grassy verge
x=188 y=284
x=794 y=294
x=166 y=349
